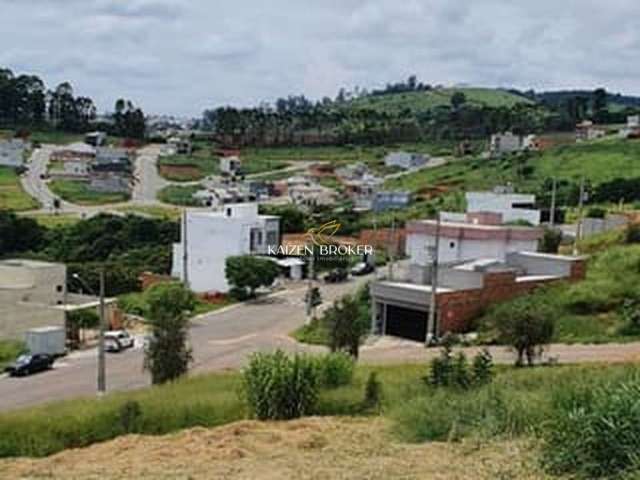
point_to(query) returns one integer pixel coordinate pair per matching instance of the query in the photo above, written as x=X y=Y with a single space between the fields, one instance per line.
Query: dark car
x=336 y=276
x=362 y=268
x=28 y=364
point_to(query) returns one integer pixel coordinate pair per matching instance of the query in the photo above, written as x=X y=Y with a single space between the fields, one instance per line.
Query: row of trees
x=25 y=101
x=127 y=245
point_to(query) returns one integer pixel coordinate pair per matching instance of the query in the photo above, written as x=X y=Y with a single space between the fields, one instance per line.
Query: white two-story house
x=212 y=237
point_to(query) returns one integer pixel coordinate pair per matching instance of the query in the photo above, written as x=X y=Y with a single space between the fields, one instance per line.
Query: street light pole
x=431 y=320
x=102 y=366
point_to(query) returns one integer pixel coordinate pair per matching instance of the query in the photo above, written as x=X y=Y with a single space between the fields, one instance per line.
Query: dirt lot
x=311 y=448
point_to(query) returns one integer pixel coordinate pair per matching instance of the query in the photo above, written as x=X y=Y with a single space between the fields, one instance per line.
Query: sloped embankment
x=316 y=447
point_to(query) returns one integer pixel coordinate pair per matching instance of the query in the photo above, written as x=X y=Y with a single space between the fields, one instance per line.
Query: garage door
x=406 y=323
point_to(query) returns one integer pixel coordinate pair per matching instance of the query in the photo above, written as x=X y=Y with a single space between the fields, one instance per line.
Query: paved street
x=34 y=184
x=148 y=180
x=220 y=340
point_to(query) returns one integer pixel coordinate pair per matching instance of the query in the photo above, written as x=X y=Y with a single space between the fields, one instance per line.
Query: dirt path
x=387 y=350
x=310 y=448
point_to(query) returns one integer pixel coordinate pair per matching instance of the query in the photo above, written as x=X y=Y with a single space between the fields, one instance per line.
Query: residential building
x=352 y=171
x=481 y=261
x=532 y=142
x=588 y=131
x=209 y=238
x=632 y=129
x=512 y=206
x=12 y=152
x=30 y=291
x=230 y=165
x=405 y=160
x=76 y=151
x=362 y=190
x=464 y=291
x=477 y=235
x=503 y=143
x=219 y=195
x=306 y=192
x=180 y=145
x=389 y=200
x=96 y=139
x=111 y=171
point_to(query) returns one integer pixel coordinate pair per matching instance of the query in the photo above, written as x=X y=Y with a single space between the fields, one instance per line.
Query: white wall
x=503 y=203
x=451 y=249
x=212 y=237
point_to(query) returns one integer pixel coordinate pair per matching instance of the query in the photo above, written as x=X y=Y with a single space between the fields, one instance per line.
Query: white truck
x=49 y=340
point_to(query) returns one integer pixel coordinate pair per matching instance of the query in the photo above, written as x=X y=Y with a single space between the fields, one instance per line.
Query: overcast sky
x=179 y=57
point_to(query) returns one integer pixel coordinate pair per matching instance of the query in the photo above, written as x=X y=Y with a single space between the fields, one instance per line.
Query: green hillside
x=597 y=162
x=427 y=100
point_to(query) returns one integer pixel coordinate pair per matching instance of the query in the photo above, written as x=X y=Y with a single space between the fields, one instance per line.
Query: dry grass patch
x=315 y=447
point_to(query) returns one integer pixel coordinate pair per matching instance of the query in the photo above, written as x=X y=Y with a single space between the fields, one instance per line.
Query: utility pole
x=185 y=250
x=431 y=320
x=102 y=370
x=311 y=274
x=579 y=226
x=391 y=247
x=552 y=213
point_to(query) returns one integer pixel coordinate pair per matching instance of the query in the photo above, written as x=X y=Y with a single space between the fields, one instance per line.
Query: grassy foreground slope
x=416 y=102
x=418 y=412
x=315 y=447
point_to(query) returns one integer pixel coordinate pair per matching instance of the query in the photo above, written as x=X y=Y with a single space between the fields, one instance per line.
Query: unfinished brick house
x=481 y=265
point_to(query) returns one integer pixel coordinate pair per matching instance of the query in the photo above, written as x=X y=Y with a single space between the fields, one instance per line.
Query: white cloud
x=181 y=57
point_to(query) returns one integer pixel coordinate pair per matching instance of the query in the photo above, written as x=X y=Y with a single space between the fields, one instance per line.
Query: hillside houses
x=111 y=171
x=105 y=169
x=405 y=160
x=632 y=128
x=587 y=130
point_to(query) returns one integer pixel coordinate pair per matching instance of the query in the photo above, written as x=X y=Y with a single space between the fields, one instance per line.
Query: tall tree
x=168 y=355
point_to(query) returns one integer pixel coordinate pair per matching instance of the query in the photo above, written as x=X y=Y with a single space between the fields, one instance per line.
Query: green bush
x=335 y=369
x=632 y=233
x=130 y=415
x=372 y=393
x=9 y=350
x=450 y=415
x=596 y=434
x=279 y=387
x=448 y=370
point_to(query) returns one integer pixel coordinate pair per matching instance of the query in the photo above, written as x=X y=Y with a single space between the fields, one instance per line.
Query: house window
x=59 y=288
x=272 y=238
x=452 y=244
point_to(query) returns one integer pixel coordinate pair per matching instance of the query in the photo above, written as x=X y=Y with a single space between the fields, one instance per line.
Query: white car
x=122 y=337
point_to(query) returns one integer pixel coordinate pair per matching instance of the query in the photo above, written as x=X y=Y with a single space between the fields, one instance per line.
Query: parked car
x=122 y=337
x=28 y=364
x=336 y=276
x=112 y=345
x=362 y=268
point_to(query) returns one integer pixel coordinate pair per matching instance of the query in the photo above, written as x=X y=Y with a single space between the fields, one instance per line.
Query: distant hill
x=420 y=101
x=555 y=98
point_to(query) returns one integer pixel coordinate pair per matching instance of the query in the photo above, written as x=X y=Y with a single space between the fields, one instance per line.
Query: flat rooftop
x=413 y=286
x=26 y=263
